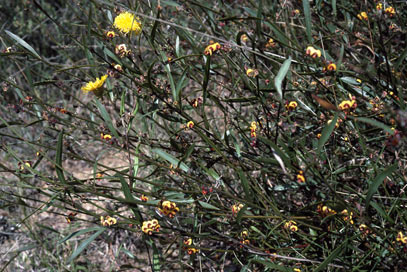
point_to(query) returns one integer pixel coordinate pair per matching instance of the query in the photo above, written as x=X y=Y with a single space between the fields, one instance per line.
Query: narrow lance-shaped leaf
x=375 y=123
x=84 y=244
x=278 y=81
x=58 y=159
x=174 y=161
x=377 y=182
x=307 y=14
x=106 y=118
x=326 y=133
x=23 y=43
x=335 y=253
x=129 y=197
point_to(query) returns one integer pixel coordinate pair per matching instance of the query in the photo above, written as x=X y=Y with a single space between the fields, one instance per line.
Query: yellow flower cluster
x=24 y=164
x=108 y=221
x=390 y=11
x=363 y=16
x=253 y=128
x=270 y=43
x=364 y=230
x=379 y=6
x=330 y=67
x=244 y=234
x=190 y=125
x=127 y=22
x=95 y=86
x=290 y=106
x=312 y=52
x=244 y=38
x=244 y=242
x=110 y=34
x=325 y=210
x=190 y=250
x=212 y=48
x=236 y=208
x=347 y=216
x=106 y=137
x=291 y=225
x=144 y=198
x=150 y=226
x=300 y=177
x=121 y=50
x=348 y=104
x=168 y=208
x=401 y=238
x=252 y=72
x=337 y=122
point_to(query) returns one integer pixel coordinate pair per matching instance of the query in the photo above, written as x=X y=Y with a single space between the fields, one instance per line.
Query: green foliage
x=221 y=138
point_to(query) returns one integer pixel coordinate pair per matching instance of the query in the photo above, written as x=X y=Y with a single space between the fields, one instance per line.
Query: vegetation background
x=227 y=136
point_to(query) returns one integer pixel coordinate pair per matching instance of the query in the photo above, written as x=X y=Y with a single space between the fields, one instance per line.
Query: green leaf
x=208 y=206
x=245 y=184
x=58 y=159
x=275 y=148
x=326 y=133
x=307 y=14
x=269 y=264
x=379 y=209
x=332 y=256
x=180 y=85
x=241 y=212
x=77 y=233
x=136 y=162
x=106 y=118
x=167 y=68
x=122 y=103
x=23 y=43
x=128 y=196
x=154 y=29
x=375 y=123
x=84 y=244
x=174 y=161
x=401 y=58
x=156 y=258
x=377 y=182
x=112 y=56
x=278 y=81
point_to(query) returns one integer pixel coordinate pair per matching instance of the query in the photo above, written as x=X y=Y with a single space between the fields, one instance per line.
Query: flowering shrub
x=222 y=135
